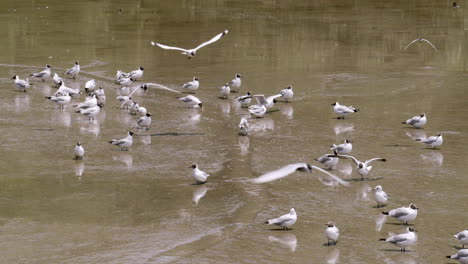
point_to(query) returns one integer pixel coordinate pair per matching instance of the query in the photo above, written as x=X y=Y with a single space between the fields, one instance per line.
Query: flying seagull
x=420 y=41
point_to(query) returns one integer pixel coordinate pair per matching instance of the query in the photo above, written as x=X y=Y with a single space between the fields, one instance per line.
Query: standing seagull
x=433 y=141
x=61 y=99
x=403 y=240
x=245 y=99
x=362 y=167
x=287 y=94
x=90 y=86
x=243 y=127
x=43 y=74
x=285 y=221
x=21 y=84
x=136 y=74
x=343 y=110
x=125 y=142
x=380 y=196
x=191 y=101
x=344 y=148
x=329 y=162
x=191 y=52
x=420 y=40
x=192 y=86
x=74 y=70
x=461 y=256
x=416 y=121
x=404 y=214
x=332 y=232
x=224 y=91
x=236 y=83
x=199 y=175
x=145 y=121
x=57 y=80
x=79 y=151
x=462 y=237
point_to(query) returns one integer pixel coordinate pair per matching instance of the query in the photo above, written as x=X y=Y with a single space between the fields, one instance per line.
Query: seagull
x=43 y=74
x=191 y=52
x=125 y=81
x=332 y=232
x=57 y=80
x=235 y=83
x=21 y=84
x=88 y=103
x=120 y=74
x=145 y=121
x=64 y=89
x=329 y=162
x=420 y=41
x=90 y=86
x=287 y=94
x=343 y=110
x=225 y=90
x=134 y=108
x=404 y=214
x=125 y=142
x=267 y=102
x=257 y=110
x=73 y=71
x=285 y=221
x=416 y=121
x=124 y=101
x=362 y=167
x=136 y=74
x=243 y=127
x=462 y=237
x=79 y=151
x=191 y=86
x=142 y=111
x=433 y=141
x=61 y=99
x=100 y=95
x=191 y=101
x=199 y=175
x=291 y=168
x=245 y=99
x=461 y=256
x=402 y=240
x=344 y=148
x=90 y=112
x=380 y=196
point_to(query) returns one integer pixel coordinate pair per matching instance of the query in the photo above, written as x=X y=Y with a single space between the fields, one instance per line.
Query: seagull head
x=78 y=144
x=238 y=75
x=307 y=168
x=348 y=141
x=130 y=133
x=141 y=68
x=76 y=63
x=292 y=211
x=335 y=103
x=422 y=115
x=193 y=166
x=330 y=224
x=289 y=87
x=413 y=206
x=200 y=105
x=378 y=188
x=148 y=114
x=144 y=87
x=192 y=53
x=360 y=166
x=248 y=93
x=274 y=101
x=48 y=66
x=410 y=229
x=195 y=78
x=15 y=77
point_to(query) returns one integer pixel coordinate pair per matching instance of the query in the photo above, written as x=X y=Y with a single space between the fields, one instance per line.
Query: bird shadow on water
x=396 y=250
x=364 y=179
x=175 y=134
x=458 y=247
x=399 y=224
x=280 y=229
x=329 y=244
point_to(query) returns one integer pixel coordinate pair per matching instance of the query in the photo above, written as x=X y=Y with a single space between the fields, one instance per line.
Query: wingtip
x=153 y=43
x=385 y=213
x=448 y=257
x=384 y=160
x=225 y=32
x=403 y=122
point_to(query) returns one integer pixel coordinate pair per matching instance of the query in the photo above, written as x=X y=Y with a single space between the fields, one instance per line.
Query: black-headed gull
x=343 y=110
x=344 y=148
x=416 y=121
x=191 y=101
x=287 y=94
x=462 y=237
x=145 y=121
x=123 y=143
x=362 y=167
x=73 y=71
x=257 y=110
x=89 y=102
x=136 y=74
x=21 y=84
x=61 y=99
x=90 y=86
x=329 y=162
x=268 y=102
x=403 y=240
x=433 y=141
x=245 y=99
x=461 y=256
x=420 y=40
x=235 y=83
x=380 y=196
x=404 y=214
x=79 y=151
x=332 y=233
x=120 y=74
x=243 y=127
x=285 y=221
x=57 y=80
x=64 y=89
x=192 y=86
x=291 y=168
x=224 y=91
x=90 y=112
x=199 y=175
x=191 y=52
x=43 y=74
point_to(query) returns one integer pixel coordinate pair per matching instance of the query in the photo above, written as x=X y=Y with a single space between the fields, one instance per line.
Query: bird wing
x=397 y=239
x=413 y=120
x=375 y=159
x=411 y=43
x=399 y=212
x=270 y=98
x=159 y=86
x=168 y=47
x=260 y=99
x=348 y=157
x=331 y=175
x=345 y=109
x=280 y=220
x=430 y=44
x=280 y=173
x=214 y=39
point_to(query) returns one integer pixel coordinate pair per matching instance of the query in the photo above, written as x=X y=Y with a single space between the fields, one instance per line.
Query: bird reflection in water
x=286 y=239
x=287 y=110
x=145 y=139
x=91 y=127
x=244 y=144
x=125 y=158
x=343 y=128
x=199 y=193
x=379 y=221
x=433 y=157
x=333 y=256
x=79 y=168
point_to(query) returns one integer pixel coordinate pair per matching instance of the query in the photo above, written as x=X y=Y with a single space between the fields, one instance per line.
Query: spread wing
x=270 y=98
x=430 y=44
x=411 y=43
x=281 y=172
x=346 y=157
x=214 y=39
x=376 y=159
x=167 y=47
x=260 y=99
x=159 y=86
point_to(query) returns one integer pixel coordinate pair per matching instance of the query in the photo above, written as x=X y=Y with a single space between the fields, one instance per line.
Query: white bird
x=73 y=71
x=433 y=141
x=120 y=74
x=191 y=52
x=224 y=91
x=125 y=81
x=417 y=121
x=43 y=74
x=268 y=102
x=462 y=237
x=100 y=95
x=136 y=74
x=344 y=148
x=145 y=121
x=142 y=111
x=287 y=94
x=420 y=40
x=291 y=168
x=461 y=256
x=90 y=112
x=362 y=167
x=343 y=110
x=88 y=103
x=21 y=84
x=199 y=175
x=285 y=221
x=257 y=110
x=57 y=80
x=125 y=142
x=90 y=86
x=329 y=162
x=191 y=101
x=332 y=232
x=124 y=101
x=133 y=108
x=404 y=214
x=64 y=89
x=380 y=196
x=403 y=240
x=235 y=83
x=61 y=99
x=245 y=99
x=191 y=86
x=79 y=151
x=243 y=127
